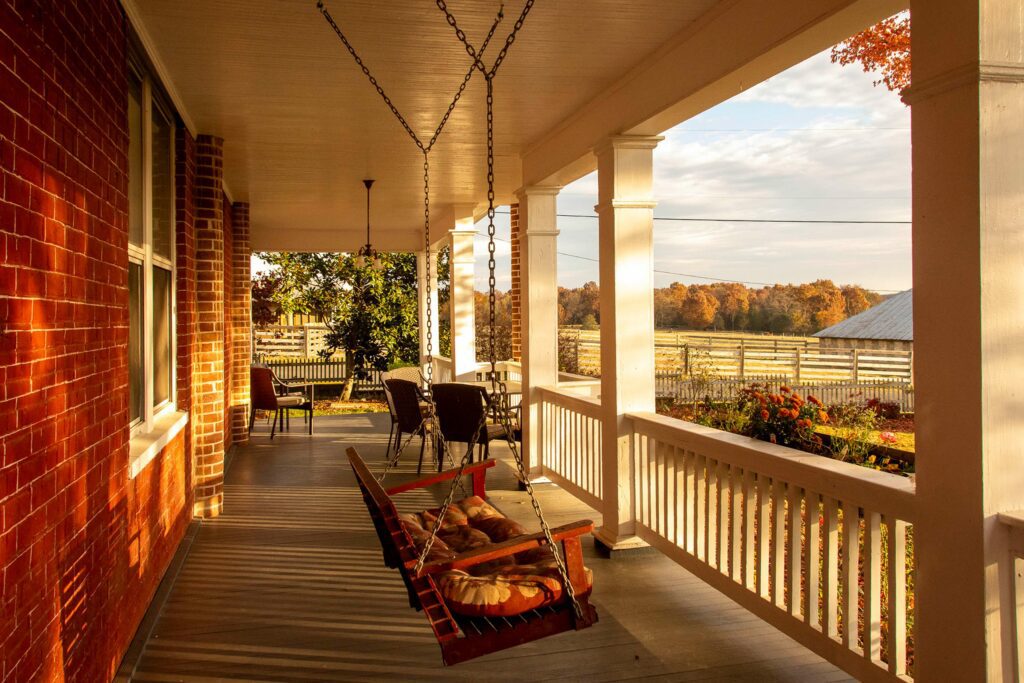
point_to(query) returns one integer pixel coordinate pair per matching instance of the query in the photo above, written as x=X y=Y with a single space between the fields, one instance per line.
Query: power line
x=749 y=220
x=689 y=275
x=788 y=130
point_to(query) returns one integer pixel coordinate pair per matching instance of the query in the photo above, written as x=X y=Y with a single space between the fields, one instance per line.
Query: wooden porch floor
x=288 y=585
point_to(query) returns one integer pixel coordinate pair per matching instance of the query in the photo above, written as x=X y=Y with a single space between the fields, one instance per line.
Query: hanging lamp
x=367 y=254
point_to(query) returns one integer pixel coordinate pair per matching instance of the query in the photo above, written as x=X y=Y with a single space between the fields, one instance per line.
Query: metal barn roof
x=893 y=319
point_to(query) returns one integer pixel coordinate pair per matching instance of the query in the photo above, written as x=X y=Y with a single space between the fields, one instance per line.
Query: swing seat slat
x=462 y=637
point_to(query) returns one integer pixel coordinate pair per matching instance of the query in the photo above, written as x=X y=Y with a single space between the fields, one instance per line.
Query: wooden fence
x=295 y=341
x=748 y=358
x=319 y=371
x=682 y=388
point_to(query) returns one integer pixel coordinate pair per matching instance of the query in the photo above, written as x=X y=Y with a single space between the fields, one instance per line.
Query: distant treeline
x=782 y=309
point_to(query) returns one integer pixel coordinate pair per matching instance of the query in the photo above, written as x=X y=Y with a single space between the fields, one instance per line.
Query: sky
x=817 y=142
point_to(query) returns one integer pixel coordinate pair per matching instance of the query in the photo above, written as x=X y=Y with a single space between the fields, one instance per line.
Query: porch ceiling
x=302 y=126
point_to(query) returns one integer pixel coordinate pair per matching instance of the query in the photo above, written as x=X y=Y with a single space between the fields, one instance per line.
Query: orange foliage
x=884 y=49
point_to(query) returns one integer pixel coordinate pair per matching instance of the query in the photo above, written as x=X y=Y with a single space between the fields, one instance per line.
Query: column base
x=625 y=547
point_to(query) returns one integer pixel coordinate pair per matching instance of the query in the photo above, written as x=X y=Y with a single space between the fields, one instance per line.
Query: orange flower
x=815 y=401
x=764 y=414
x=785 y=389
x=823 y=417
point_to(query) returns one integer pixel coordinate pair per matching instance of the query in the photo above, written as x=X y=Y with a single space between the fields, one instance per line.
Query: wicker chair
x=264 y=397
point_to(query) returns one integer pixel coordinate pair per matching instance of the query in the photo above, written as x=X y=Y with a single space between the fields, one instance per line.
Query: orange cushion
x=503 y=587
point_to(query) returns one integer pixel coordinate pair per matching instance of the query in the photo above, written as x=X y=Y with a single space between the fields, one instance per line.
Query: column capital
x=627 y=142
x=535 y=190
x=626 y=204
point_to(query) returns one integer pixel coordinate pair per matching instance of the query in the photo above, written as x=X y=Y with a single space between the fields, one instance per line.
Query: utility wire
x=745 y=220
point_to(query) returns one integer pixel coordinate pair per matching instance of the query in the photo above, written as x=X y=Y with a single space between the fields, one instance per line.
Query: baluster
x=764 y=520
x=830 y=580
x=736 y=536
x=778 y=561
x=711 y=513
x=897 y=531
x=811 y=558
x=872 y=586
x=651 y=481
x=669 y=485
x=749 y=512
x=851 y=557
x=724 y=503
x=794 y=556
x=683 y=497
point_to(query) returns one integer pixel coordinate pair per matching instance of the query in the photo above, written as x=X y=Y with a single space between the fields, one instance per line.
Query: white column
x=421 y=275
x=538 y=258
x=626 y=212
x=463 y=303
x=968 y=140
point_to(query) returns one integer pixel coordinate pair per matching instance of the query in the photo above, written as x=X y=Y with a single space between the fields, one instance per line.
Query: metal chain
x=428 y=257
x=471 y=51
x=491 y=265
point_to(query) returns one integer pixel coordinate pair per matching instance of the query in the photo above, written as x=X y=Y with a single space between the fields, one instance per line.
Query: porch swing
x=517 y=587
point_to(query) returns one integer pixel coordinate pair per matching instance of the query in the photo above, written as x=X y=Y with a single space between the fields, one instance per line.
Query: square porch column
x=463 y=297
x=625 y=210
x=538 y=251
x=433 y=325
x=967 y=112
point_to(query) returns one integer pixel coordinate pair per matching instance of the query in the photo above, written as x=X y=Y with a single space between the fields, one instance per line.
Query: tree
x=883 y=49
x=698 y=308
x=377 y=321
x=265 y=307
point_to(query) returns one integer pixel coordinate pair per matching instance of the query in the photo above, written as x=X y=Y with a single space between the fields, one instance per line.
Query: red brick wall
x=229 y=330
x=240 y=308
x=185 y=255
x=516 y=303
x=82 y=547
x=208 y=397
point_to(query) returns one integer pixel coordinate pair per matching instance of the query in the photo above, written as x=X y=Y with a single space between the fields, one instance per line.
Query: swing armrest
x=477 y=470
x=509 y=547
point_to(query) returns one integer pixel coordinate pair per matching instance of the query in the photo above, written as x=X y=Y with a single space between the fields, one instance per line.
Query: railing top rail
x=874 y=490
x=1014 y=518
x=583 y=404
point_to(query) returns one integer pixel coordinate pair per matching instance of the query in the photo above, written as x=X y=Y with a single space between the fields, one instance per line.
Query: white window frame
x=152 y=415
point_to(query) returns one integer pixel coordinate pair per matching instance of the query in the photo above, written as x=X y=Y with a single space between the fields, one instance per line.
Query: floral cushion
x=501 y=588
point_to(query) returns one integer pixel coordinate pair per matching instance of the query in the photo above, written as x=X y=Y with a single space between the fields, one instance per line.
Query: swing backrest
x=398 y=549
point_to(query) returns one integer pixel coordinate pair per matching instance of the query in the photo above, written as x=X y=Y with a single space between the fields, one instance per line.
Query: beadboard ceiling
x=302 y=126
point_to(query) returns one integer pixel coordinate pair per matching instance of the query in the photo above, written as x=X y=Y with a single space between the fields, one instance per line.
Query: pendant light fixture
x=367 y=253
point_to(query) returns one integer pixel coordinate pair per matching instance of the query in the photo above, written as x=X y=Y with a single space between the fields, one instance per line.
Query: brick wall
x=516 y=303
x=82 y=546
x=240 y=308
x=229 y=330
x=208 y=406
x=185 y=251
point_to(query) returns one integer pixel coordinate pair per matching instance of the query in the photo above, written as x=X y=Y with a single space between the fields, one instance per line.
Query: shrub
x=886 y=410
x=784 y=418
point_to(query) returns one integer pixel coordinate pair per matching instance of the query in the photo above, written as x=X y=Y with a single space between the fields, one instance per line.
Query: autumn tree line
x=780 y=309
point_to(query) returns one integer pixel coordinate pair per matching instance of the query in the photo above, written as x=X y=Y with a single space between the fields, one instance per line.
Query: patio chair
x=393 y=414
x=514 y=412
x=405 y=396
x=264 y=397
x=410 y=374
x=460 y=413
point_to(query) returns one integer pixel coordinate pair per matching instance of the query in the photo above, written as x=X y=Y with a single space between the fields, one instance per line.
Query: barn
x=887 y=326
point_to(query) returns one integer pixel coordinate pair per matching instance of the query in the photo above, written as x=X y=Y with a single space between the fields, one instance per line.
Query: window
x=150 y=253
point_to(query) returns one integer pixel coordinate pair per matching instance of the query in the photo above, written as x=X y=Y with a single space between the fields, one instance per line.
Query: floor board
x=288 y=585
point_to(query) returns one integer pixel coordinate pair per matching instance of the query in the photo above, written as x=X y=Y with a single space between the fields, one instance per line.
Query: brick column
x=185 y=281
x=240 y=314
x=208 y=408
x=514 y=293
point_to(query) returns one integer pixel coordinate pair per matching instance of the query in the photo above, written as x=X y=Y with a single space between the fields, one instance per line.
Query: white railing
x=571 y=442
x=1014 y=601
x=442 y=369
x=807 y=543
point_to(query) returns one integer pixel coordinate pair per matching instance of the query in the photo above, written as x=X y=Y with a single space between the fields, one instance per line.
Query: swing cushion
x=501 y=588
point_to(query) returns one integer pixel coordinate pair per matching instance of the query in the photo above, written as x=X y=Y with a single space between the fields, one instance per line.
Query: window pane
x=136 y=379
x=163 y=189
x=161 y=335
x=135 y=169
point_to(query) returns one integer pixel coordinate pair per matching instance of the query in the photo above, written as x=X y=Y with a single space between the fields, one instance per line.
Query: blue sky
x=817 y=142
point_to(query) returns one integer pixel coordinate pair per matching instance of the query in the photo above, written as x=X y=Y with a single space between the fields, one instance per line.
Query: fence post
x=856 y=366
x=797 y=368
x=686 y=359
x=743 y=360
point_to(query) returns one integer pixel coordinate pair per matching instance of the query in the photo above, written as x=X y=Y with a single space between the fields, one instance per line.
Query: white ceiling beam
x=735 y=46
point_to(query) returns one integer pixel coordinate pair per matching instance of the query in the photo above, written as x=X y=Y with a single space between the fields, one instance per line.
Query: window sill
x=144 y=447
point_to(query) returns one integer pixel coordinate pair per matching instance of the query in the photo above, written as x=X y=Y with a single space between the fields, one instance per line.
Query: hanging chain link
x=471 y=51
x=491 y=265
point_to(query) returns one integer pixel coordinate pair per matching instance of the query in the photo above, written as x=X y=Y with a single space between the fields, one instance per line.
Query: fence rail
x=571 y=443
x=689 y=389
x=319 y=371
